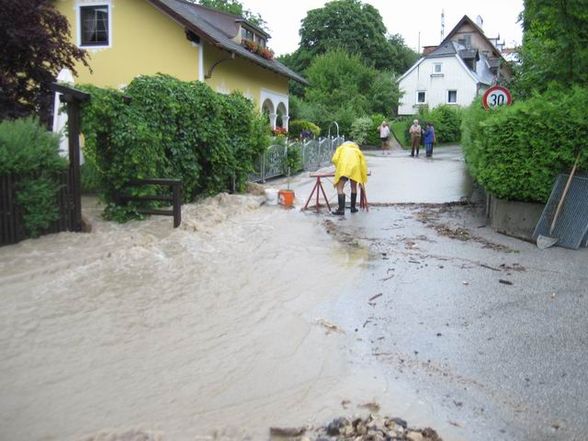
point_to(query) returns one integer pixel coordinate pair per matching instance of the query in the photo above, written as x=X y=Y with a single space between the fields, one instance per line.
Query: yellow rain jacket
x=350 y=163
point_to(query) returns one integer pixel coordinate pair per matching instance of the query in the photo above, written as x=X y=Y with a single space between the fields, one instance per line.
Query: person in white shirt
x=384 y=134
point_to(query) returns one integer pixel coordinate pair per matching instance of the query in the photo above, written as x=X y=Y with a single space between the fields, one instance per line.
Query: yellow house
x=127 y=38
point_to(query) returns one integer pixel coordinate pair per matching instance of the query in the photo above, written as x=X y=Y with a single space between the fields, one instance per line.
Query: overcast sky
x=407 y=18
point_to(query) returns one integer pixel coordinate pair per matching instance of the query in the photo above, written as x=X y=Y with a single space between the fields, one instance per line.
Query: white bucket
x=271 y=196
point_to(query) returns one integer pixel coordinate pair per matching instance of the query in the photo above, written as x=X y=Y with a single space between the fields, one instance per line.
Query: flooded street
x=182 y=332
x=250 y=316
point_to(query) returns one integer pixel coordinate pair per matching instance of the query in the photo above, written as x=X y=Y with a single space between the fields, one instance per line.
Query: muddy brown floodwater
x=222 y=324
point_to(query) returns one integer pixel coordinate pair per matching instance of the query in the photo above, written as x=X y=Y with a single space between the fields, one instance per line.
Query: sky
x=418 y=21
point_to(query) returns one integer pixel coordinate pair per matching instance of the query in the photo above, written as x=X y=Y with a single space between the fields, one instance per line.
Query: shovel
x=548 y=241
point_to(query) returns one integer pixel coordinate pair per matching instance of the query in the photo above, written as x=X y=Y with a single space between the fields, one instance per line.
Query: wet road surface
x=250 y=316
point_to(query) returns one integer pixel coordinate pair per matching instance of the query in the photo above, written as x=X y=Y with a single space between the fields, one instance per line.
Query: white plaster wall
x=454 y=76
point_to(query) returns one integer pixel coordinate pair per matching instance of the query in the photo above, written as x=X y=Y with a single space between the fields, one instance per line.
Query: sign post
x=496 y=96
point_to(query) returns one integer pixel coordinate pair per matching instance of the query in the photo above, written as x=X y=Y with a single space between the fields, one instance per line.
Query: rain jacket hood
x=350 y=163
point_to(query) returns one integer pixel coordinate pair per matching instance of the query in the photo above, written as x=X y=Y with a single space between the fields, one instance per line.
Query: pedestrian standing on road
x=384 y=134
x=429 y=139
x=415 y=137
x=350 y=166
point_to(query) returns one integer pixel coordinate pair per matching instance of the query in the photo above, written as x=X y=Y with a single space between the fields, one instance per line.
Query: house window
x=421 y=97
x=465 y=40
x=452 y=96
x=94 y=25
x=260 y=40
x=247 y=34
x=437 y=67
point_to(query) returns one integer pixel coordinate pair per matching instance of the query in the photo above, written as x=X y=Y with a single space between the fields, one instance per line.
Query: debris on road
x=330 y=327
x=374 y=428
x=376 y=296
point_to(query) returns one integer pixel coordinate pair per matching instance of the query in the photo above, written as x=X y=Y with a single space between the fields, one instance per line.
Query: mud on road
x=486 y=331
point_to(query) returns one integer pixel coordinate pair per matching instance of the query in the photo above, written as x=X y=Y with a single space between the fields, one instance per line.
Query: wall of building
x=144 y=41
x=423 y=78
x=242 y=75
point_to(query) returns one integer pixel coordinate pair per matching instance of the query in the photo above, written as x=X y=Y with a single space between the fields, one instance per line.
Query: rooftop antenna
x=442 y=24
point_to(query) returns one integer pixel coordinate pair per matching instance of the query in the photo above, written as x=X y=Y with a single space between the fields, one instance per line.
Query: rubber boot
x=353 y=201
x=341 y=210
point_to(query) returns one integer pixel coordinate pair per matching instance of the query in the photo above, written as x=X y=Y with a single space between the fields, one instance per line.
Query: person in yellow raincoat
x=350 y=166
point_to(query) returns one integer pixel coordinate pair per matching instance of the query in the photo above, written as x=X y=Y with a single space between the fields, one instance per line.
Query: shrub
x=447 y=122
x=90 y=178
x=516 y=152
x=293 y=160
x=295 y=128
x=31 y=154
x=360 y=129
x=172 y=129
x=445 y=119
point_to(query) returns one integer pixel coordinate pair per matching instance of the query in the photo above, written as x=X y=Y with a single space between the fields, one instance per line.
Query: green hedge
x=159 y=126
x=516 y=152
x=295 y=128
x=31 y=154
x=445 y=119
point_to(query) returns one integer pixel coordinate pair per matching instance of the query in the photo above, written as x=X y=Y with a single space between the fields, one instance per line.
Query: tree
x=236 y=8
x=352 y=25
x=35 y=47
x=384 y=94
x=555 y=45
x=344 y=88
x=403 y=57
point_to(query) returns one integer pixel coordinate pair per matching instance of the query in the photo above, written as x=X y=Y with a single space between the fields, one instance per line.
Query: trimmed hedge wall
x=159 y=126
x=516 y=152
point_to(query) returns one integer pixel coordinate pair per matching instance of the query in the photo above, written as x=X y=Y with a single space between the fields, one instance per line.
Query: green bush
x=295 y=128
x=159 y=126
x=447 y=122
x=445 y=119
x=516 y=152
x=90 y=178
x=293 y=160
x=360 y=129
x=30 y=154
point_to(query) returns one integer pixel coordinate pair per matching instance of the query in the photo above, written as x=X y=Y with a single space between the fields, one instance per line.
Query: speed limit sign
x=496 y=96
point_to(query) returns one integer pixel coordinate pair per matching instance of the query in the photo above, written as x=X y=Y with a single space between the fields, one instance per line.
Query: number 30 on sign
x=496 y=96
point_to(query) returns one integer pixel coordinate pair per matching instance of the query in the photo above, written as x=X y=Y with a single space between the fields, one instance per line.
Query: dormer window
x=247 y=34
x=255 y=42
x=260 y=40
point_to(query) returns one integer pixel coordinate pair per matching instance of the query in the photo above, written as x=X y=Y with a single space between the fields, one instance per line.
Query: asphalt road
x=480 y=335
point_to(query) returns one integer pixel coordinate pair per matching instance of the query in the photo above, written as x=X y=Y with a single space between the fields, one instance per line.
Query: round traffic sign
x=496 y=96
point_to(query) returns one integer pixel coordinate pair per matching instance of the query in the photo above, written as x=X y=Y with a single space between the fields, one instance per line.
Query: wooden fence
x=12 y=229
x=174 y=199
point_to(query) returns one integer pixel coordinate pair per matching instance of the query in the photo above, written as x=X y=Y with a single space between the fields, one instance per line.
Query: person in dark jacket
x=429 y=139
